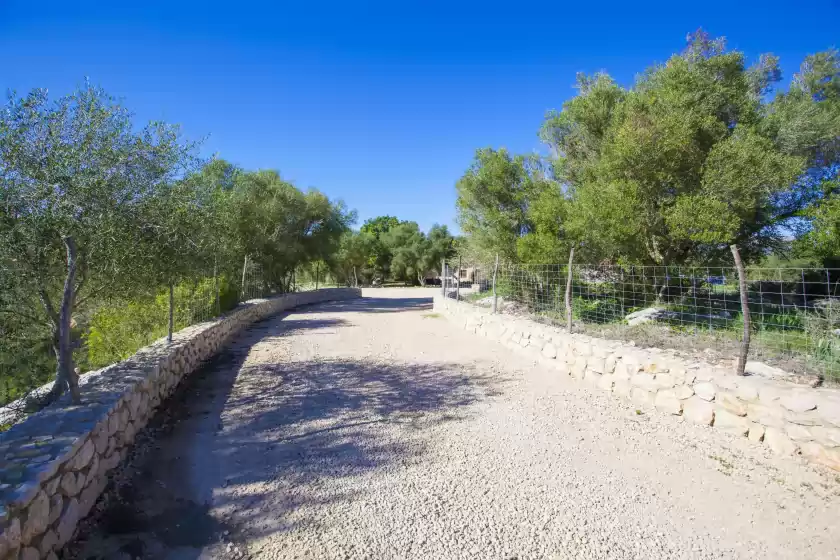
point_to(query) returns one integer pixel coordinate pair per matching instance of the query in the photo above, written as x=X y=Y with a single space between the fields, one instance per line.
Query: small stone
x=729 y=422
x=698 y=410
x=731 y=403
x=705 y=391
x=779 y=442
x=667 y=401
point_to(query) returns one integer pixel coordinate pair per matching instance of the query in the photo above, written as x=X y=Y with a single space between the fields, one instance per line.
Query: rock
x=731 y=423
x=596 y=364
x=826 y=436
x=644 y=316
x=683 y=392
x=622 y=387
x=798 y=433
x=644 y=381
x=799 y=401
x=605 y=382
x=67 y=524
x=56 y=506
x=642 y=398
x=91 y=494
x=816 y=453
x=761 y=369
x=29 y=553
x=779 y=442
x=592 y=377
x=610 y=362
x=37 y=518
x=70 y=484
x=767 y=415
x=10 y=538
x=549 y=351
x=579 y=367
x=83 y=457
x=829 y=409
x=666 y=401
x=48 y=542
x=756 y=432
x=705 y=391
x=698 y=410
x=664 y=381
x=731 y=403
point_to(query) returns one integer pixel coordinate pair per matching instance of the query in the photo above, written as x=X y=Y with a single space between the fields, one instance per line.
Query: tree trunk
x=65 y=375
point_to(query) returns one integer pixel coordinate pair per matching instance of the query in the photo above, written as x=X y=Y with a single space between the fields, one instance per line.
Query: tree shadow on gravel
x=261 y=456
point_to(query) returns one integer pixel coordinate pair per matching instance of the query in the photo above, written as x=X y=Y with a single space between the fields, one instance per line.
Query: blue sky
x=380 y=104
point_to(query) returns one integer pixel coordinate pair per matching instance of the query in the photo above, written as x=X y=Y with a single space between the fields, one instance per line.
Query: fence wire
x=795 y=312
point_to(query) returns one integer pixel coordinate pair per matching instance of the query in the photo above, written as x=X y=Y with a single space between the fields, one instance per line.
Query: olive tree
x=74 y=177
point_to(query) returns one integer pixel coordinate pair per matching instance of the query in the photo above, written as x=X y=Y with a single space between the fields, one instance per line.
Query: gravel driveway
x=375 y=429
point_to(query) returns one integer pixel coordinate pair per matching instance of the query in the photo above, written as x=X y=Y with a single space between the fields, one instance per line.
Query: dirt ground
x=375 y=429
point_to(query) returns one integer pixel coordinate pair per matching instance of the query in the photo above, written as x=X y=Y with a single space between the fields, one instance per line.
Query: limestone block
x=67 y=523
x=683 y=392
x=48 y=542
x=705 y=390
x=726 y=421
x=777 y=441
x=29 y=553
x=579 y=367
x=70 y=484
x=605 y=382
x=82 y=457
x=610 y=362
x=698 y=410
x=816 y=453
x=37 y=518
x=642 y=397
x=664 y=381
x=731 y=403
x=799 y=401
x=666 y=401
x=756 y=432
x=56 y=507
x=592 y=377
x=549 y=351
x=797 y=433
x=622 y=387
x=10 y=537
x=644 y=381
x=767 y=415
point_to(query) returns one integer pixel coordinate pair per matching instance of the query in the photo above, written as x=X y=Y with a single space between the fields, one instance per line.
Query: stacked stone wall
x=791 y=419
x=56 y=462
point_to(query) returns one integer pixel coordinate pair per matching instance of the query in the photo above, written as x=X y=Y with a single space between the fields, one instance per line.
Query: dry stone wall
x=790 y=419
x=55 y=463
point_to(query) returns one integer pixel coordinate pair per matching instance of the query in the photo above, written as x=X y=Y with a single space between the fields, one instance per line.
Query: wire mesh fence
x=794 y=312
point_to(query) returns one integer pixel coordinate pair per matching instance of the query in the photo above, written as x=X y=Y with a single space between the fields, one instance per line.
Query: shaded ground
x=373 y=429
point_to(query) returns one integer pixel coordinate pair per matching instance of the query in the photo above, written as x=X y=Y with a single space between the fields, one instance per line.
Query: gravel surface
x=376 y=429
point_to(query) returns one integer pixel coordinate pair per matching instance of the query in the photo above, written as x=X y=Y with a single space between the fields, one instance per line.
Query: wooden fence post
x=171 y=311
x=495 y=271
x=569 y=291
x=745 y=310
x=458 y=281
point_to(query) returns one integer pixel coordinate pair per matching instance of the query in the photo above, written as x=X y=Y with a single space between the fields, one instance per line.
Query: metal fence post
x=495 y=271
x=317 y=271
x=171 y=311
x=569 y=291
x=745 y=310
